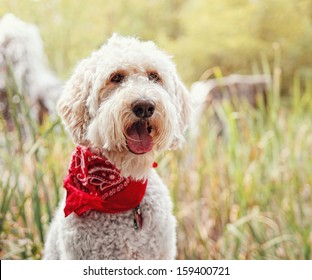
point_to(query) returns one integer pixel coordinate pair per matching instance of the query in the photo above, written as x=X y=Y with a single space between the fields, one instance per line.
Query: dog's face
x=126 y=98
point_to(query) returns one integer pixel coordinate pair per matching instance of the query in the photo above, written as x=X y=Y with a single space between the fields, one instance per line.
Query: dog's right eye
x=117 y=78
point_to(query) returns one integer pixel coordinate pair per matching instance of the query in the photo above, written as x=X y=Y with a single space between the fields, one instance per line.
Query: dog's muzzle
x=139 y=140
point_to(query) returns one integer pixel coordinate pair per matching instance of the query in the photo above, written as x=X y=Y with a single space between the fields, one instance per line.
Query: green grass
x=246 y=194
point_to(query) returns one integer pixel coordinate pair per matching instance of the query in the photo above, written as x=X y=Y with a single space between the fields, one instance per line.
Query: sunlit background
x=243 y=194
x=232 y=34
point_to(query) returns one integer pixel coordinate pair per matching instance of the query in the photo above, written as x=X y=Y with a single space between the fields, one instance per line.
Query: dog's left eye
x=153 y=77
x=117 y=78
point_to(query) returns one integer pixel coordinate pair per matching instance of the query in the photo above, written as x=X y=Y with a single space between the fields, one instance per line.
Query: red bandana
x=93 y=183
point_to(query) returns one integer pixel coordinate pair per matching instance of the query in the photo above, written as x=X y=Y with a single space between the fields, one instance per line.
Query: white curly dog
x=22 y=56
x=122 y=104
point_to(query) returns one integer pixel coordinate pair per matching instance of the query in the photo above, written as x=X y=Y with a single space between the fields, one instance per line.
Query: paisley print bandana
x=94 y=183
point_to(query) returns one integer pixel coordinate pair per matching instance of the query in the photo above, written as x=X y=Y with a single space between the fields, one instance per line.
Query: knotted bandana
x=94 y=183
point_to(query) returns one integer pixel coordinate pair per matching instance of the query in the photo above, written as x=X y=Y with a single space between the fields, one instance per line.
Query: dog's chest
x=98 y=235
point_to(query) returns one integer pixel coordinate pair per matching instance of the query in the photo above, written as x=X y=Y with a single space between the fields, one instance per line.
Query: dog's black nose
x=143 y=109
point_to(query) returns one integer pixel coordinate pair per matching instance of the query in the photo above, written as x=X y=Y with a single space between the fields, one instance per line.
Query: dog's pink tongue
x=138 y=139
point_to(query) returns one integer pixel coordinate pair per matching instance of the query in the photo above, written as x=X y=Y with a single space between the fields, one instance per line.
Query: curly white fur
x=97 y=113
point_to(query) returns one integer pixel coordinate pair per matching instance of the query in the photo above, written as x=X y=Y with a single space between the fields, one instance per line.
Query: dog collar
x=94 y=183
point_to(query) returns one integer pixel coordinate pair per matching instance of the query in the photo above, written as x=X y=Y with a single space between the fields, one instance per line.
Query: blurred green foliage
x=232 y=34
x=246 y=195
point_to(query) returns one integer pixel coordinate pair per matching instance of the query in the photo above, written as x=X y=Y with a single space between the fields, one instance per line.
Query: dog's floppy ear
x=184 y=108
x=72 y=104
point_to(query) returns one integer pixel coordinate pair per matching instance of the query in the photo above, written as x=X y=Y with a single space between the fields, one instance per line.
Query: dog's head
x=126 y=98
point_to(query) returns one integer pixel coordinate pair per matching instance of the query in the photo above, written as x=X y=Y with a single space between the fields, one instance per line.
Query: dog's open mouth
x=138 y=137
